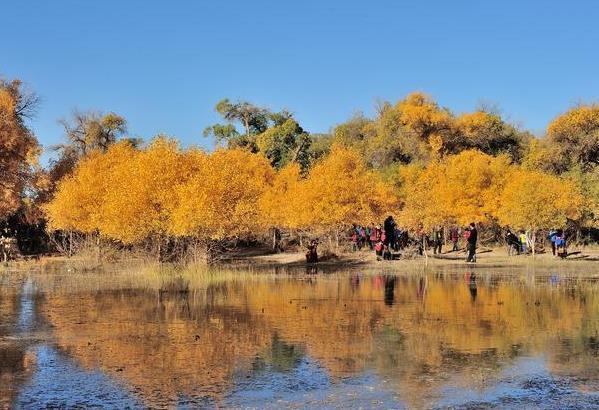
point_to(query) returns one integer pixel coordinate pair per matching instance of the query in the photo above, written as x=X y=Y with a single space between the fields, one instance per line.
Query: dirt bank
x=486 y=257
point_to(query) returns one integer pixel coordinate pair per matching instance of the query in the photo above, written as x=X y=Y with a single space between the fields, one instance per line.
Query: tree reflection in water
x=418 y=334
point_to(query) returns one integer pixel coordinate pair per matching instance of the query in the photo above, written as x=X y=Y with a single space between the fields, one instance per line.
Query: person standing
x=523 y=241
x=361 y=237
x=438 y=239
x=560 y=244
x=552 y=237
x=472 y=239
x=513 y=244
x=354 y=238
x=454 y=236
x=389 y=228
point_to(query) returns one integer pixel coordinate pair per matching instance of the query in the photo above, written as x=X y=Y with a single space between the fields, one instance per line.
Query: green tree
x=276 y=135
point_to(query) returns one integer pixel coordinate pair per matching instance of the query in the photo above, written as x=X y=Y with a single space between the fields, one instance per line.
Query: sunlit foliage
x=457 y=189
x=220 y=200
x=19 y=149
x=417 y=129
x=340 y=191
x=415 y=160
x=535 y=200
x=575 y=137
x=130 y=194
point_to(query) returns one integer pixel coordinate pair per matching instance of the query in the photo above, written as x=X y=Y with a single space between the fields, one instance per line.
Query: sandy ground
x=261 y=258
x=485 y=257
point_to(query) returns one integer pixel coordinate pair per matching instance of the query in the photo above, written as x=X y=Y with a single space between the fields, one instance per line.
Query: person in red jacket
x=454 y=237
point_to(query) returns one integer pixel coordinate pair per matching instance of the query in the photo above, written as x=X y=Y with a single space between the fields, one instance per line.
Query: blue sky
x=164 y=64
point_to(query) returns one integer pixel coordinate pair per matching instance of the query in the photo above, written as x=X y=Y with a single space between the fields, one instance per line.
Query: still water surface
x=476 y=338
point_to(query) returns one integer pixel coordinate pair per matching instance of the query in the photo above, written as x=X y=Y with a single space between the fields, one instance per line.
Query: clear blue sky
x=164 y=64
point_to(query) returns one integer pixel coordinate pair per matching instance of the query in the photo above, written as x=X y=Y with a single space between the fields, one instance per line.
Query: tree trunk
x=533 y=240
x=98 y=248
x=159 y=250
x=246 y=125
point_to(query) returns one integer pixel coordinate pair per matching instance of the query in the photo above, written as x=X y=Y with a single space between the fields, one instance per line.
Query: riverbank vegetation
x=414 y=159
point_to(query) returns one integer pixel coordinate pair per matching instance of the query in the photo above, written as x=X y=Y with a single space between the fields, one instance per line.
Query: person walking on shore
x=472 y=239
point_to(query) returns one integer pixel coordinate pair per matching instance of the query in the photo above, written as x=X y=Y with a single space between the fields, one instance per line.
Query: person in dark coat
x=437 y=240
x=513 y=244
x=472 y=239
x=389 y=227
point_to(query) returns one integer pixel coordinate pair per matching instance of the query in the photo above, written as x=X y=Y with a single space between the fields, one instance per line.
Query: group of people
x=382 y=239
x=437 y=239
x=521 y=242
x=389 y=238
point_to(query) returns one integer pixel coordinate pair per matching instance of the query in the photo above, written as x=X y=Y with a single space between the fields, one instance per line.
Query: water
x=441 y=339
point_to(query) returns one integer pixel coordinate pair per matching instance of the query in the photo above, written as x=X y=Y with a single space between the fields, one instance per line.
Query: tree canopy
x=19 y=148
x=276 y=135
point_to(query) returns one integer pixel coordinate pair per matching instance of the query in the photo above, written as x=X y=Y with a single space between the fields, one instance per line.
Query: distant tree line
x=414 y=159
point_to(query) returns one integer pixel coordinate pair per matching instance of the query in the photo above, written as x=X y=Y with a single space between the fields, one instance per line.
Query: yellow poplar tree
x=142 y=191
x=474 y=182
x=419 y=187
x=459 y=188
x=77 y=202
x=575 y=136
x=281 y=203
x=19 y=149
x=534 y=200
x=340 y=190
x=222 y=199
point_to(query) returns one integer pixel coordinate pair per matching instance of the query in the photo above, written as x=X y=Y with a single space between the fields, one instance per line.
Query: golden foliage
x=579 y=120
x=221 y=199
x=19 y=148
x=458 y=189
x=78 y=200
x=534 y=200
x=422 y=114
x=340 y=191
x=131 y=195
x=281 y=204
x=478 y=127
x=574 y=136
x=434 y=330
x=142 y=191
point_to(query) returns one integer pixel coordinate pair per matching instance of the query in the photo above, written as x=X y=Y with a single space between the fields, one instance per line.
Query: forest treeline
x=414 y=160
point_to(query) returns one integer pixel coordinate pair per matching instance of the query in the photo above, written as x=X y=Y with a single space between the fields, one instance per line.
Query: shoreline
x=245 y=259
x=488 y=257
